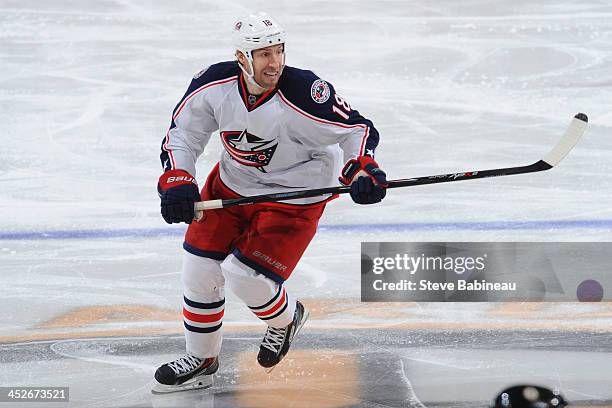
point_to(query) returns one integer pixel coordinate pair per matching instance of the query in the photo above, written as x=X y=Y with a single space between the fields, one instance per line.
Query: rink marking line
x=413 y=399
x=141 y=320
x=333 y=228
x=257 y=327
x=104 y=360
x=82 y=316
x=119 y=338
x=321 y=309
x=530 y=309
x=516 y=309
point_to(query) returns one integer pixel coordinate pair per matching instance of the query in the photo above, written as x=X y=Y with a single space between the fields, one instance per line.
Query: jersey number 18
x=344 y=107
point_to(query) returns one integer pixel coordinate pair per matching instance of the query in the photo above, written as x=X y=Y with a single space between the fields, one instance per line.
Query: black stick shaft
x=442 y=178
x=573 y=133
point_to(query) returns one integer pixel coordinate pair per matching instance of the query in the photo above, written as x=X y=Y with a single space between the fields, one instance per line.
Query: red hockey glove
x=368 y=182
x=178 y=192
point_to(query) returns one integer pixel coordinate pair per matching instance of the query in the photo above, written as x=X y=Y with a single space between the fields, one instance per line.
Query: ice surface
x=86 y=92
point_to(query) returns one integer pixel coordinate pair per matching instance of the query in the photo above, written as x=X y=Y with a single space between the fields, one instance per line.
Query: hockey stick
x=573 y=133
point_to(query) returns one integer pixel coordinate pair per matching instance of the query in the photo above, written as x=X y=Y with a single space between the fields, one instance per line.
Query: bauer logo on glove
x=178 y=192
x=186 y=179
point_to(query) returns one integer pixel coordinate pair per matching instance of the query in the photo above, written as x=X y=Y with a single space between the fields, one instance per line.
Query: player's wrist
x=362 y=166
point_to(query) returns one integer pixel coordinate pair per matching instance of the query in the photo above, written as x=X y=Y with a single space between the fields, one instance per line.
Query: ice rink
x=90 y=293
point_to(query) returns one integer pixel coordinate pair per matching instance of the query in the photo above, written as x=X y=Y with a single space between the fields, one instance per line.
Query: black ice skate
x=276 y=342
x=185 y=373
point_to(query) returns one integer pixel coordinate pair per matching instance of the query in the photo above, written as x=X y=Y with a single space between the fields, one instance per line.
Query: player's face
x=268 y=64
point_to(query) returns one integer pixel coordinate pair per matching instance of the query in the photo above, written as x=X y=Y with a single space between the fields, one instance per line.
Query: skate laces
x=185 y=364
x=273 y=340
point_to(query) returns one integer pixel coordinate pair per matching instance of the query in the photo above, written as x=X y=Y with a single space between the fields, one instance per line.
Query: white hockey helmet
x=256 y=31
x=253 y=32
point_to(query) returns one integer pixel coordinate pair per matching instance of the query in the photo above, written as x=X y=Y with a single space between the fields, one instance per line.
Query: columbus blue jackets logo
x=319 y=91
x=248 y=149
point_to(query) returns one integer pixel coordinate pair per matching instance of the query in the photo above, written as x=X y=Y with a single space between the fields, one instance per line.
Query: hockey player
x=280 y=127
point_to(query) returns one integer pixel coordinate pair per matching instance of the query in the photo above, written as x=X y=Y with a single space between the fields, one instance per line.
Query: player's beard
x=268 y=81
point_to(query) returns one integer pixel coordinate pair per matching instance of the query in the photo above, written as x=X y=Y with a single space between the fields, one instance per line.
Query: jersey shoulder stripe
x=213 y=73
x=216 y=74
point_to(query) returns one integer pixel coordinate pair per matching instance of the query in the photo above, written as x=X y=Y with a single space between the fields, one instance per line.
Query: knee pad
x=267 y=300
x=251 y=287
x=202 y=278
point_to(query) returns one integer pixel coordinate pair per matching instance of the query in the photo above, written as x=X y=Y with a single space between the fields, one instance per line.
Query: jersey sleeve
x=193 y=121
x=327 y=116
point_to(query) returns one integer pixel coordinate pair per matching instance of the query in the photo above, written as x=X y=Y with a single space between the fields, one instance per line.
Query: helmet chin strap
x=250 y=77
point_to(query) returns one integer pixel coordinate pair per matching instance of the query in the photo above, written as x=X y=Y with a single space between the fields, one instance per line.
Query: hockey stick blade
x=571 y=136
x=573 y=133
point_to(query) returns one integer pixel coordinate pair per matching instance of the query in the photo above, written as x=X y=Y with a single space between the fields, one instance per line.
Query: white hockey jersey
x=283 y=140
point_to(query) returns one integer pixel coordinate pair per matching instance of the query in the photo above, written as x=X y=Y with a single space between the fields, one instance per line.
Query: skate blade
x=297 y=330
x=303 y=322
x=201 y=382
